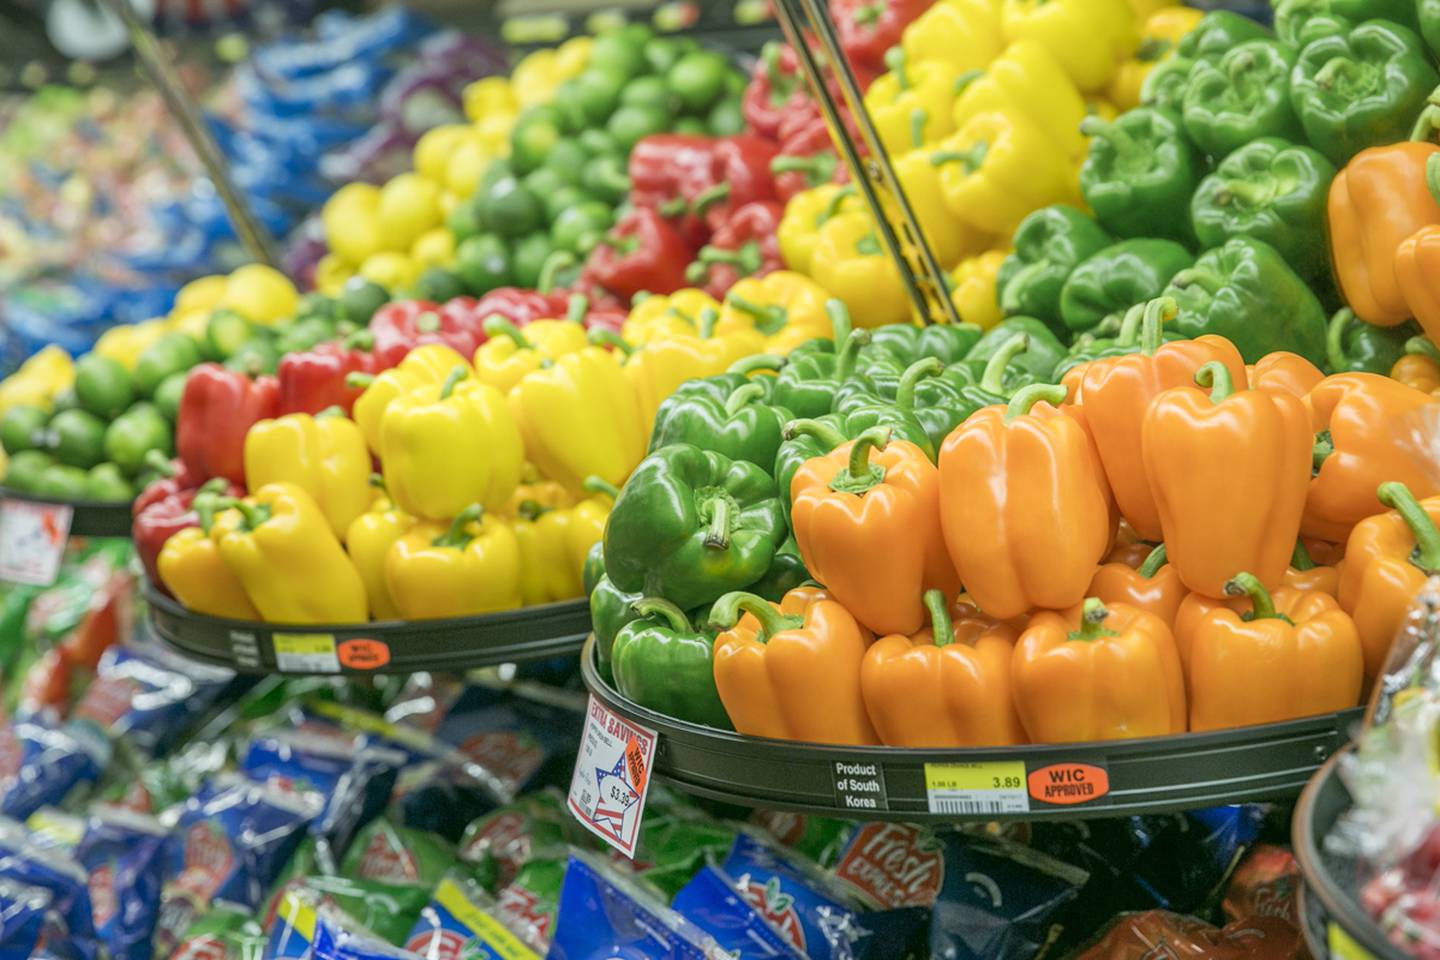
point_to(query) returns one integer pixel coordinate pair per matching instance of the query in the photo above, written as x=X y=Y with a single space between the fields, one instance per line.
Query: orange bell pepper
x=1192 y=610
x=1098 y=672
x=791 y=676
x=1129 y=554
x=1228 y=472
x=866 y=518
x=1284 y=372
x=1387 y=559
x=1364 y=426
x=1155 y=586
x=1025 y=509
x=1420 y=367
x=1417 y=262
x=947 y=685
x=1381 y=198
x=1306 y=574
x=1117 y=391
x=1296 y=654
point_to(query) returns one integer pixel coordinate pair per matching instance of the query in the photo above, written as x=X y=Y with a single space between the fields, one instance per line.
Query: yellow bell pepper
x=427 y=364
x=1088 y=37
x=787 y=308
x=581 y=416
x=193 y=571
x=656 y=369
x=998 y=168
x=323 y=455
x=1143 y=8
x=202 y=294
x=351 y=218
x=510 y=353
x=294 y=570
x=851 y=263
x=950 y=238
x=537 y=490
x=369 y=539
x=973 y=289
x=535 y=78
x=444 y=446
x=331 y=275
x=471 y=568
x=125 y=343
x=657 y=315
x=39 y=379
x=546 y=574
x=587 y=522
x=910 y=105
x=489 y=95
x=799 y=229
x=260 y=294
x=1026 y=79
x=1160 y=31
x=962 y=33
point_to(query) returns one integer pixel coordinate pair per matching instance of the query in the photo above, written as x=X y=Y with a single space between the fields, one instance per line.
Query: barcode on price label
x=976 y=788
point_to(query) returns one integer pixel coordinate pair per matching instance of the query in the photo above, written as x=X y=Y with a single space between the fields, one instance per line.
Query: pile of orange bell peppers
x=1170 y=541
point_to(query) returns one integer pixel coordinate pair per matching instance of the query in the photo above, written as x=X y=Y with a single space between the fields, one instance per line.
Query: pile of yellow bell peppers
x=390 y=234
x=497 y=471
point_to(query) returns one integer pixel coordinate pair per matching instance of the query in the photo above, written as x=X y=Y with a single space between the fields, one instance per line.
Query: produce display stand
x=382 y=647
x=88 y=518
x=1155 y=775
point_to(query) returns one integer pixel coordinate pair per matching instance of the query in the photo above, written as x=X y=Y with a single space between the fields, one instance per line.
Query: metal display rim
x=379 y=647
x=785 y=775
x=89 y=518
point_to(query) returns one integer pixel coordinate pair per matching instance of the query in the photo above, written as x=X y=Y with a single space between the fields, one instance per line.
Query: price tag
x=305 y=653
x=971 y=788
x=612 y=777
x=32 y=541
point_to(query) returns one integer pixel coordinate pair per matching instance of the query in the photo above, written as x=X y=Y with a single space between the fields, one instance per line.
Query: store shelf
x=393 y=646
x=89 y=518
x=1085 y=779
x=1331 y=919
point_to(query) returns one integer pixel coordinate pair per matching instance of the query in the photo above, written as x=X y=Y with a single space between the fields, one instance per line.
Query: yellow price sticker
x=305 y=652
x=1000 y=775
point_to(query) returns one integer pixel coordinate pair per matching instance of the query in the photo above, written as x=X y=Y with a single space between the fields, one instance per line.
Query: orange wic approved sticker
x=1069 y=783
x=363 y=654
x=635 y=760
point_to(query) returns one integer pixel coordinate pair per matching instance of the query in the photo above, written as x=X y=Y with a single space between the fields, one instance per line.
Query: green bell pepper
x=719 y=386
x=1354 y=346
x=303 y=335
x=507 y=208
x=945 y=399
x=742 y=426
x=359 y=300
x=580 y=227
x=1140 y=174
x=77 y=438
x=1298 y=22
x=787 y=571
x=1117 y=278
x=484 y=263
x=530 y=255
x=63 y=482
x=537 y=130
x=1217 y=32
x=106 y=482
x=1042 y=349
x=863 y=411
x=1240 y=97
x=594 y=567
x=662 y=662
x=908 y=342
x=691 y=525
x=1244 y=291
x=1362 y=89
x=1049 y=244
x=805 y=438
x=22 y=428
x=24 y=469
x=1126 y=337
x=1272 y=190
x=175 y=352
x=1428 y=13
x=102 y=385
x=806 y=384
x=132 y=435
x=610 y=610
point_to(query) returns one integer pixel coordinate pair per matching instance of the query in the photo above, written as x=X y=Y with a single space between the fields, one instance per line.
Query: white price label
x=970 y=788
x=32 y=541
x=612 y=777
x=305 y=653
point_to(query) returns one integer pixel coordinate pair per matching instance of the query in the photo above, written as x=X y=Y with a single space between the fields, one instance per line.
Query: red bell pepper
x=668 y=172
x=745 y=245
x=174 y=477
x=162 y=519
x=315 y=380
x=776 y=88
x=868 y=28
x=742 y=176
x=807 y=159
x=641 y=252
x=400 y=327
x=217 y=408
x=518 y=305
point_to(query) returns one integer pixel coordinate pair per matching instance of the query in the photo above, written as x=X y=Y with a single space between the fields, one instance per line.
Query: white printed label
x=612 y=777
x=969 y=788
x=305 y=653
x=32 y=541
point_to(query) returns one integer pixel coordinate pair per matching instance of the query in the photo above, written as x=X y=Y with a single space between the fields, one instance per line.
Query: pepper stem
x=359 y=381
x=159 y=463
x=1398 y=497
x=1158 y=312
x=1428 y=120
x=962 y=82
x=1130 y=325
x=759 y=361
x=1249 y=193
x=839 y=316
x=721 y=519
x=576 y=307
x=895 y=62
x=254 y=514
x=452 y=381
x=215 y=485
x=377 y=480
x=1335 y=338
x=972 y=157
x=206 y=504
x=1092 y=622
x=769 y=318
x=550 y=269
x=828 y=436
x=942 y=628
x=833 y=207
x=456 y=536
x=910 y=379
x=1027 y=397
x=1154 y=560
x=599 y=485
x=331 y=412
x=1432 y=176
x=850 y=354
x=728 y=609
x=741 y=397
x=706 y=326
x=918 y=118
x=1300 y=557
x=498 y=326
x=1320 y=451
x=860 y=474
x=1216 y=376
x=992 y=380
x=708 y=197
x=1262 y=604
x=660 y=607
x=601 y=337
x=1100 y=128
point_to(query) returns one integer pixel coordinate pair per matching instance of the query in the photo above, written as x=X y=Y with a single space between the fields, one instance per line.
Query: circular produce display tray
x=1331 y=918
x=1057 y=781
x=88 y=518
x=393 y=646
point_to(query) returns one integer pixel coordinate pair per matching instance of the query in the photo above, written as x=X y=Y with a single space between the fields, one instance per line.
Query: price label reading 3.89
x=976 y=788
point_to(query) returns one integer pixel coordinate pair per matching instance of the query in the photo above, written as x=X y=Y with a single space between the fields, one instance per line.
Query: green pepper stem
x=727 y=611
x=858 y=467
x=1335 y=339
x=254 y=514
x=760 y=361
x=498 y=326
x=215 y=485
x=787 y=163
x=1421 y=347
x=1398 y=497
x=833 y=207
x=550 y=269
x=918 y=118
x=1333 y=70
x=1027 y=397
x=1300 y=557
x=601 y=337
x=673 y=207
x=1216 y=376
x=839 y=316
x=896 y=63
x=1321 y=450
x=741 y=397
x=1157 y=313
x=697 y=273
x=532 y=510
x=360 y=340
x=828 y=436
x=1262 y=604
x=708 y=197
x=427 y=322
x=1252 y=194
x=769 y=318
x=359 y=381
x=331 y=412
x=206 y=504
x=660 y=607
x=377 y=480
x=1019 y=280
x=718 y=533
x=850 y=354
x=910 y=379
x=576 y=308
x=1130 y=325
x=1092 y=622
x=962 y=82
x=1154 y=560
x=1111 y=133
x=705 y=329
x=453 y=380
x=942 y=628
x=1428 y=120
x=159 y=463
x=972 y=157
x=599 y=485
x=456 y=536
x=992 y=380
x=868 y=245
